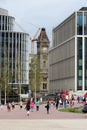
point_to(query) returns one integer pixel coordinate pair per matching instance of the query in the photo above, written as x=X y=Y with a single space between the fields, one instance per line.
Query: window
x=85 y=24
x=80 y=62
x=45 y=79
x=44 y=49
x=86 y=82
x=80 y=82
x=85 y=63
x=44 y=86
x=79 y=24
x=44 y=63
x=80 y=72
x=86 y=73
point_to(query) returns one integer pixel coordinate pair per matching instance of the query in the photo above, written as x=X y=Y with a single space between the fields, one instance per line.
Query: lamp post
x=5 y=92
x=20 y=90
x=0 y=95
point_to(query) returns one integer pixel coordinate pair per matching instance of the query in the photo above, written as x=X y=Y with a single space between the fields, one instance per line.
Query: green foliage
x=5 y=76
x=74 y=110
x=35 y=74
x=71 y=109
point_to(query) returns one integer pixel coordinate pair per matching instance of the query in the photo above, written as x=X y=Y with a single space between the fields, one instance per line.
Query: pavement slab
x=43 y=124
x=17 y=119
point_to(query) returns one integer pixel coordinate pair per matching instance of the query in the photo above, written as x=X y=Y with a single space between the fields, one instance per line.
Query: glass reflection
x=79 y=24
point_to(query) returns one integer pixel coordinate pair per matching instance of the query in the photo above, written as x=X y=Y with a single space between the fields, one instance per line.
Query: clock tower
x=42 y=53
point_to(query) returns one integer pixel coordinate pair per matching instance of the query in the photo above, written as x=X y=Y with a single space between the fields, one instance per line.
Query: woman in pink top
x=32 y=105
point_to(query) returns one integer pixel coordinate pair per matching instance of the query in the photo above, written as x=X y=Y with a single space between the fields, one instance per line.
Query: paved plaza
x=17 y=119
x=18 y=113
x=43 y=124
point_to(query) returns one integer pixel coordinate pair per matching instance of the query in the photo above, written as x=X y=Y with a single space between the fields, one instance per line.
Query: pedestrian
x=41 y=99
x=2 y=107
x=28 y=107
x=60 y=102
x=32 y=105
x=84 y=109
x=78 y=99
x=8 y=106
x=47 y=107
x=21 y=104
x=13 y=105
x=37 y=104
x=57 y=103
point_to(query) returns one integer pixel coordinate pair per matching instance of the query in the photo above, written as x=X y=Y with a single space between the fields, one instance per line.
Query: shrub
x=75 y=110
x=71 y=109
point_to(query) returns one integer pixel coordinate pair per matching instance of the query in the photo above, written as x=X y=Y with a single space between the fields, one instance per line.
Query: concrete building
x=14 y=52
x=68 y=56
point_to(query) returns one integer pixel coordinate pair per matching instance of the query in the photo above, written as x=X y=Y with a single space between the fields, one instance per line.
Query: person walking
x=28 y=107
x=37 y=104
x=21 y=104
x=32 y=105
x=13 y=105
x=47 y=107
x=57 y=103
x=9 y=106
x=2 y=105
x=84 y=109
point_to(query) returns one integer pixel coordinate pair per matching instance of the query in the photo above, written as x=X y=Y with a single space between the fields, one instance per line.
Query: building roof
x=83 y=9
x=43 y=35
x=3 y=11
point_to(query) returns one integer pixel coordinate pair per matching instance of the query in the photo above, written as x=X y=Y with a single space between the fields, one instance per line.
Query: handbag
x=46 y=106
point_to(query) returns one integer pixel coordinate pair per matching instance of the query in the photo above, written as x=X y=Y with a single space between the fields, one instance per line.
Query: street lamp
x=5 y=92
x=0 y=94
x=20 y=90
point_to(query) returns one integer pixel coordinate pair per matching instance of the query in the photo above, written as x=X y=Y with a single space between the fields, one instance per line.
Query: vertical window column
x=85 y=24
x=79 y=63
x=85 y=63
x=79 y=24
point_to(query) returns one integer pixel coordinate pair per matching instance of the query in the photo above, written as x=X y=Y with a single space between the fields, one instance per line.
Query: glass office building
x=14 y=51
x=68 y=56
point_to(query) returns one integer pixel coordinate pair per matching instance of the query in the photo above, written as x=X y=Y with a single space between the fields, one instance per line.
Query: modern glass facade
x=70 y=37
x=79 y=24
x=82 y=50
x=79 y=63
x=86 y=63
x=85 y=23
x=14 y=51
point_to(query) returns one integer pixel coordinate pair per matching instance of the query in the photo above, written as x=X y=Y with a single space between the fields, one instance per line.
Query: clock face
x=44 y=49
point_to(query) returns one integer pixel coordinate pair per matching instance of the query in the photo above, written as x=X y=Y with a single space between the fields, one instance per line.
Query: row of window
x=80 y=62
x=82 y=24
x=6 y=23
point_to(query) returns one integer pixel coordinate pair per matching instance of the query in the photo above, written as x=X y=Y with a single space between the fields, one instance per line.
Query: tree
x=5 y=74
x=4 y=86
x=35 y=71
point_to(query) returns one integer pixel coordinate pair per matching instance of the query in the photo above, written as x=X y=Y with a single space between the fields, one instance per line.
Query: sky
x=34 y=14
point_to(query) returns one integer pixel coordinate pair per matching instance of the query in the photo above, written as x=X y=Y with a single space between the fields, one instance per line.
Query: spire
x=43 y=36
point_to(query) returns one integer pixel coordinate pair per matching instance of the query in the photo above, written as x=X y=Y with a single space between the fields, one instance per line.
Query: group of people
x=58 y=103
x=55 y=103
x=12 y=105
x=30 y=105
